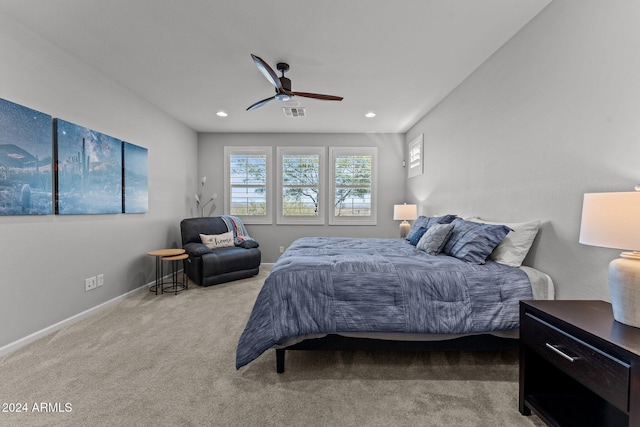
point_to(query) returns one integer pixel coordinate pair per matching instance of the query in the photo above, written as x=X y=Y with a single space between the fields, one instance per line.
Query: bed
x=370 y=293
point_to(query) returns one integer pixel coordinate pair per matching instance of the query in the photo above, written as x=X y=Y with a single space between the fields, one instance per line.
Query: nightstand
x=578 y=366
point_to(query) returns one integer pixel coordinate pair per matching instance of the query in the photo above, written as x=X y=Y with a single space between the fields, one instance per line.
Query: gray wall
x=391 y=182
x=45 y=259
x=552 y=115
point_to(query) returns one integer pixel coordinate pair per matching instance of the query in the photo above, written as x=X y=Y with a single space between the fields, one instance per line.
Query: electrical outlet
x=90 y=283
x=281 y=249
x=100 y=280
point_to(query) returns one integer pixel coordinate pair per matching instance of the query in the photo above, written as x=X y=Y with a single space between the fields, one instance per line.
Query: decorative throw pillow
x=420 y=222
x=515 y=246
x=417 y=235
x=435 y=238
x=217 y=240
x=426 y=222
x=472 y=241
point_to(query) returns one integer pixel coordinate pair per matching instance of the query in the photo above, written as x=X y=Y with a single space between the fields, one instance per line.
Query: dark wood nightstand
x=578 y=366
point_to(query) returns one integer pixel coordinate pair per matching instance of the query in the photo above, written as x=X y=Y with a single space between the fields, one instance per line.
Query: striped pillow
x=473 y=242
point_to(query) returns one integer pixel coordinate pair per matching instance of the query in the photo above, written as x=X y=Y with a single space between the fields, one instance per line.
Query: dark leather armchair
x=208 y=266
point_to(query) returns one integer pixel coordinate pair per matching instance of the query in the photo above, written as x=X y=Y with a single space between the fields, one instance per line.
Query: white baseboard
x=4 y=350
x=69 y=321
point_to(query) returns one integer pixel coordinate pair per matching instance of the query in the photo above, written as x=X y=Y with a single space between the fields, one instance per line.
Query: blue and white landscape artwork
x=25 y=161
x=136 y=179
x=89 y=171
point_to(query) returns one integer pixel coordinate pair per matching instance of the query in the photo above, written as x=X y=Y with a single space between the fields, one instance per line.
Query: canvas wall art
x=135 y=179
x=25 y=161
x=88 y=170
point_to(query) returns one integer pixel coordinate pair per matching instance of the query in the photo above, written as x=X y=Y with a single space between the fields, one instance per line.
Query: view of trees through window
x=352 y=195
x=300 y=184
x=248 y=179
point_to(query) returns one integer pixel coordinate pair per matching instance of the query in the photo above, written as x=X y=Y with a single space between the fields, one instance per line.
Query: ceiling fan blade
x=316 y=96
x=267 y=71
x=260 y=103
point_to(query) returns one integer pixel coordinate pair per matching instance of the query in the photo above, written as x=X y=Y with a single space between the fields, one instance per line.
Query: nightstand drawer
x=604 y=374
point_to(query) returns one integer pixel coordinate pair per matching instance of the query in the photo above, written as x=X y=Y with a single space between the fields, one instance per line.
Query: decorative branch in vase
x=199 y=196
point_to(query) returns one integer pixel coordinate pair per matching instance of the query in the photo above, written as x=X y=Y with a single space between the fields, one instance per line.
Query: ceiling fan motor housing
x=282 y=67
x=286 y=83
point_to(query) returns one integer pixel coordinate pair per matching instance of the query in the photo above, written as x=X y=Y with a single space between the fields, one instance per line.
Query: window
x=300 y=185
x=353 y=185
x=416 y=163
x=247 y=184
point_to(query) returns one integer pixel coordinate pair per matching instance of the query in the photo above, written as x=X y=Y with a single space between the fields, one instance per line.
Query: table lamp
x=405 y=212
x=612 y=220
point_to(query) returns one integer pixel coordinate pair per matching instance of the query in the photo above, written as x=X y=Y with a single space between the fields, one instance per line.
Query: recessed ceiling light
x=221 y=114
x=370 y=115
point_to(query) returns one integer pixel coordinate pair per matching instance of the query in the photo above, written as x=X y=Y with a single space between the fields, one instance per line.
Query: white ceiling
x=191 y=58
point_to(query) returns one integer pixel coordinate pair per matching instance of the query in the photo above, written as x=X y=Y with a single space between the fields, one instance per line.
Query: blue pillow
x=417 y=235
x=417 y=224
x=472 y=241
x=426 y=222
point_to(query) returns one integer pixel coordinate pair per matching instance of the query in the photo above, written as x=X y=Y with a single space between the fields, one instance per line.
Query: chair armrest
x=248 y=244
x=197 y=249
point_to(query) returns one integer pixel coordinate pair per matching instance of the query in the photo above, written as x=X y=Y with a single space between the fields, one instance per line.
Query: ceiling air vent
x=294 y=111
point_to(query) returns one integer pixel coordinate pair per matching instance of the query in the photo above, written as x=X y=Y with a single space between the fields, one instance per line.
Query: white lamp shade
x=611 y=220
x=405 y=212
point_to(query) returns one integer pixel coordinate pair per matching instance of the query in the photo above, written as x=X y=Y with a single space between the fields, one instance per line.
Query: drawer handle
x=561 y=353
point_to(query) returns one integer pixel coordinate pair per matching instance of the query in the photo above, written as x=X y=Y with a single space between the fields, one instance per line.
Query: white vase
x=624 y=285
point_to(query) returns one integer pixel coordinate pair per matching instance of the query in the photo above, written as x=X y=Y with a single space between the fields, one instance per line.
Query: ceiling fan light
x=370 y=115
x=221 y=114
x=283 y=97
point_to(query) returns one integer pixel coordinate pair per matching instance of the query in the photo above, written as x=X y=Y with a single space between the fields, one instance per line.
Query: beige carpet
x=170 y=361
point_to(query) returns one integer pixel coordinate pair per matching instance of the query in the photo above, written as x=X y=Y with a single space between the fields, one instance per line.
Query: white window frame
x=415 y=157
x=354 y=220
x=266 y=151
x=318 y=219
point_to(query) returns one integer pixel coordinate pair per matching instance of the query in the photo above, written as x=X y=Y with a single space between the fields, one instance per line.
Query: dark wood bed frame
x=482 y=342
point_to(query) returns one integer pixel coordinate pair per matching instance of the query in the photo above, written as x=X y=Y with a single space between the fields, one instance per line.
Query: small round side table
x=159 y=253
x=174 y=274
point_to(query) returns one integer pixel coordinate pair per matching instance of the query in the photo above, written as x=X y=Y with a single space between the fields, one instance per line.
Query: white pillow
x=515 y=246
x=217 y=240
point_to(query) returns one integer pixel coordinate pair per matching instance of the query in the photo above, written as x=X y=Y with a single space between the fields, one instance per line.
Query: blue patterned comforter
x=324 y=285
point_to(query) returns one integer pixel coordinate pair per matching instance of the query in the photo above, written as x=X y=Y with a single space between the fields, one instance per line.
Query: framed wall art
x=88 y=170
x=26 y=175
x=135 y=179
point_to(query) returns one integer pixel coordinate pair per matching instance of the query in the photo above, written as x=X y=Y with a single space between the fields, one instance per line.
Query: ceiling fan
x=283 y=84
